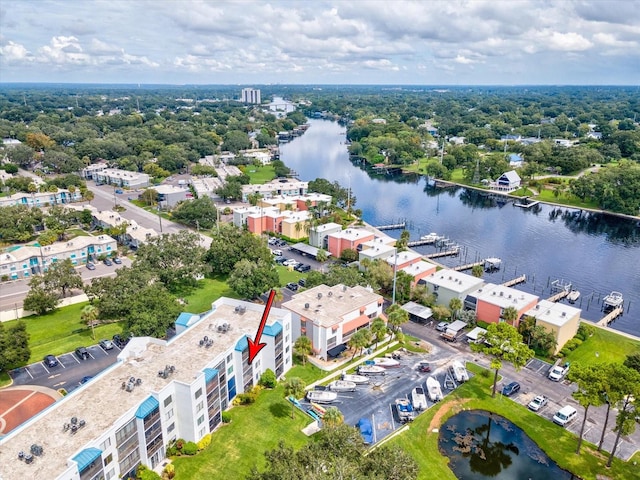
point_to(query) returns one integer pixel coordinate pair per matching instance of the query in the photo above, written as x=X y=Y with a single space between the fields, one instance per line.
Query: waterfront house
x=491 y=300
x=507 y=182
x=329 y=316
x=558 y=318
x=515 y=160
x=447 y=284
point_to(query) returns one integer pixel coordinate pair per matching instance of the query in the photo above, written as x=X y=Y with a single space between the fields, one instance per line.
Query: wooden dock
x=444 y=253
x=394 y=226
x=527 y=205
x=417 y=243
x=558 y=296
x=468 y=266
x=515 y=281
x=611 y=316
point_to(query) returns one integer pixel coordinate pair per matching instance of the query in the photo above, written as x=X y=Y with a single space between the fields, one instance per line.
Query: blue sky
x=453 y=42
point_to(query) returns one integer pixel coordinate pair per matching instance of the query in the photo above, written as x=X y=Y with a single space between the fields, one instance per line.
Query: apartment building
x=447 y=284
x=558 y=318
x=276 y=187
x=491 y=300
x=350 y=238
x=157 y=392
x=251 y=95
x=41 y=199
x=119 y=178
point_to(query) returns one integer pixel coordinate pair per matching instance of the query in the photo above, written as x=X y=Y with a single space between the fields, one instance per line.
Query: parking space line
x=45 y=367
x=393 y=423
x=74 y=357
x=91 y=355
x=60 y=362
x=27 y=370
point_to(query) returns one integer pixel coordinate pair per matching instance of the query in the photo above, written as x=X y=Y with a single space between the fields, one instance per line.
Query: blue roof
x=242 y=344
x=272 y=330
x=146 y=407
x=183 y=319
x=86 y=457
x=514 y=157
x=209 y=374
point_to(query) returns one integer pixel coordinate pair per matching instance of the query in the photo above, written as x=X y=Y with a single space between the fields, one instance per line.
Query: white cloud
x=14 y=52
x=569 y=42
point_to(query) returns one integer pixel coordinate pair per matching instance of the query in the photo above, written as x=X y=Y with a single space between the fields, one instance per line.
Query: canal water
x=596 y=253
x=481 y=445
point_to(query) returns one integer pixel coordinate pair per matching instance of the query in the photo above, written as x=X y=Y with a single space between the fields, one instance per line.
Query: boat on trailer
x=459 y=371
x=342 y=386
x=371 y=370
x=434 y=389
x=386 y=362
x=321 y=396
x=357 y=379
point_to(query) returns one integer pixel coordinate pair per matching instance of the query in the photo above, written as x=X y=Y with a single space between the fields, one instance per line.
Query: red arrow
x=254 y=345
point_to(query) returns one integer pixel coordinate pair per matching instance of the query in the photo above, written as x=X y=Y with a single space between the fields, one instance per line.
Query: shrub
x=144 y=473
x=169 y=472
x=226 y=417
x=585 y=331
x=204 y=442
x=190 y=448
x=485 y=373
x=268 y=379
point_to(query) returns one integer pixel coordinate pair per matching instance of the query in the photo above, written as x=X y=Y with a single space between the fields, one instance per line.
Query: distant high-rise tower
x=249 y=95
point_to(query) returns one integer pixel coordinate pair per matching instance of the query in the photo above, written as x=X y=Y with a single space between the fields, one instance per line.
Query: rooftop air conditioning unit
x=564 y=314
x=502 y=294
x=330 y=294
x=319 y=295
x=306 y=306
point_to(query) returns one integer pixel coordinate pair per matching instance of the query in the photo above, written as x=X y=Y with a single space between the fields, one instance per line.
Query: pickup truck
x=558 y=372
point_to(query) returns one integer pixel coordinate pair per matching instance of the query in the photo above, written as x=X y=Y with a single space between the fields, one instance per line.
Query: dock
x=394 y=226
x=468 y=266
x=515 y=281
x=527 y=205
x=611 y=316
x=445 y=253
x=558 y=296
x=417 y=243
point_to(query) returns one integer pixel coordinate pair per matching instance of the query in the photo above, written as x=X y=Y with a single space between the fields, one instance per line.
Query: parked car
x=107 y=262
x=91 y=266
x=424 y=367
x=442 y=326
x=302 y=282
x=277 y=253
x=85 y=379
x=291 y=263
x=50 y=361
x=120 y=341
x=82 y=353
x=510 y=389
x=292 y=286
x=558 y=372
x=119 y=190
x=281 y=260
x=117 y=260
x=364 y=425
x=106 y=344
x=537 y=403
x=565 y=415
x=302 y=267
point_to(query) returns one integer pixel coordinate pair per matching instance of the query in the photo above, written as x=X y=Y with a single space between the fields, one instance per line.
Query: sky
x=428 y=42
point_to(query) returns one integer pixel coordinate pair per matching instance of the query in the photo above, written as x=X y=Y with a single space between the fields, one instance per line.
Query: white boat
x=613 y=300
x=434 y=389
x=418 y=399
x=357 y=379
x=405 y=409
x=573 y=296
x=342 y=386
x=386 y=362
x=321 y=396
x=430 y=238
x=492 y=263
x=459 y=371
x=371 y=370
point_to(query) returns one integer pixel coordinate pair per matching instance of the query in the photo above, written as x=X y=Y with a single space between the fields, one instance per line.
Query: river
x=596 y=253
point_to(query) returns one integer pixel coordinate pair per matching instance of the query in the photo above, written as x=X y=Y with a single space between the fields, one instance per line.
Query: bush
x=144 y=473
x=204 y=442
x=268 y=379
x=485 y=373
x=169 y=472
x=585 y=331
x=226 y=417
x=190 y=448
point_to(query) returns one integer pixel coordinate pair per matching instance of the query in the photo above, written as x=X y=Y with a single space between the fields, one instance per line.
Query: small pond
x=483 y=445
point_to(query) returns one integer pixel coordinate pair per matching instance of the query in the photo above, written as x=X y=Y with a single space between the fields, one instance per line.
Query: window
x=171 y=427
x=108 y=459
x=230 y=370
x=169 y=414
x=199 y=393
x=110 y=474
x=200 y=419
x=106 y=444
x=286 y=339
x=229 y=358
x=199 y=407
x=125 y=432
x=167 y=401
x=287 y=349
x=202 y=432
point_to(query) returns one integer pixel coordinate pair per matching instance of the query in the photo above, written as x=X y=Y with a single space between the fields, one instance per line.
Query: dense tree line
x=14 y=345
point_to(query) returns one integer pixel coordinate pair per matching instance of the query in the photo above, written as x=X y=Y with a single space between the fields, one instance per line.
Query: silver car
x=537 y=403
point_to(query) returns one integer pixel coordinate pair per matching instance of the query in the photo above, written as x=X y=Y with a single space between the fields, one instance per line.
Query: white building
x=447 y=284
x=157 y=392
x=41 y=199
x=276 y=187
x=170 y=195
x=250 y=95
x=120 y=178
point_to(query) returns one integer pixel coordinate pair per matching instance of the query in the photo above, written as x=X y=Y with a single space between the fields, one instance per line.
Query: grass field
x=604 y=346
x=199 y=300
x=260 y=175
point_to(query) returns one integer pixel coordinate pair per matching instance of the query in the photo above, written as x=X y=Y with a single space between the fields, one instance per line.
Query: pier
x=558 y=296
x=417 y=243
x=611 y=316
x=394 y=226
x=445 y=253
x=515 y=281
x=468 y=266
x=527 y=205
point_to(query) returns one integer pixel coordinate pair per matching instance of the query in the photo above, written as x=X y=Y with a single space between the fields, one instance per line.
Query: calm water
x=481 y=445
x=597 y=253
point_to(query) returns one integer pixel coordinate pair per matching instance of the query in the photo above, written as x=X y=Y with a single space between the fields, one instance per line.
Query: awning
x=355 y=323
x=148 y=406
x=86 y=457
x=336 y=351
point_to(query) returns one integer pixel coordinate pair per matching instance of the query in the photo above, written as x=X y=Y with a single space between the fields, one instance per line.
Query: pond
x=483 y=445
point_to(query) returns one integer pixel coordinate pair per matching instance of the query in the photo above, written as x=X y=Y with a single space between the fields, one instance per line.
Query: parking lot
x=70 y=371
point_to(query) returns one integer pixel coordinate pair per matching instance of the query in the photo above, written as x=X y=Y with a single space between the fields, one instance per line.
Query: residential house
x=447 y=284
x=558 y=318
x=491 y=300
x=507 y=182
x=42 y=199
x=329 y=316
x=515 y=160
x=156 y=392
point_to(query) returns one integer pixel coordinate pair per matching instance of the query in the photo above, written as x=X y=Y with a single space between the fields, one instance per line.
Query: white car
x=277 y=253
x=290 y=263
x=537 y=403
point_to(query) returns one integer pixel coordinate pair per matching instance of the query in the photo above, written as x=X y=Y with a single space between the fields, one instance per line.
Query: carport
x=304 y=249
x=336 y=351
x=417 y=313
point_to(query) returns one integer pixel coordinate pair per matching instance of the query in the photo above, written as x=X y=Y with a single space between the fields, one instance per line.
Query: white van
x=565 y=415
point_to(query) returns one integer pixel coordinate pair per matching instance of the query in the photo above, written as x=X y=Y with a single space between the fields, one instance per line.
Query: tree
x=303 y=347
x=633 y=361
x=378 y=330
x=149 y=196
x=629 y=386
x=590 y=381
x=41 y=298
x=510 y=315
x=349 y=255
x=231 y=244
x=22 y=155
x=390 y=463
x=89 y=315
x=440 y=313
x=250 y=279
x=332 y=417
x=63 y=276
x=321 y=256
x=380 y=275
x=200 y=213
x=294 y=388
x=455 y=304
x=358 y=341
x=396 y=316
x=502 y=342
x=152 y=311
x=114 y=295
x=14 y=345
x=477 y=271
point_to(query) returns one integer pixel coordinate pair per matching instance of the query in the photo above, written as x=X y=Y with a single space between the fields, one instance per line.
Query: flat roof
x=504 y=296
x=102 y=401
x=454 y=280
x=403 y=257
x=308 y=249
x=327 y=226
x=554 y=313
x=328 y=305
x=418 y=268
x=352 y=234
x=418 y=310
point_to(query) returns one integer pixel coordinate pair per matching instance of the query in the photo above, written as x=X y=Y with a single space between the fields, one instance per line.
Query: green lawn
x=199 y=300
x=602 y=347
x=287 y=275
x=5 y=379
x=546 y=195
x=260 y=175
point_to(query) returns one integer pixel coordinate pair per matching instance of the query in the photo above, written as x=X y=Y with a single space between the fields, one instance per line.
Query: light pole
x=159 y=218
x=395 y=271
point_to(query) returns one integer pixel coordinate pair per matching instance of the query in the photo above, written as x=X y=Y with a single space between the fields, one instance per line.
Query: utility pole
x=159 y=218
x=395 y=271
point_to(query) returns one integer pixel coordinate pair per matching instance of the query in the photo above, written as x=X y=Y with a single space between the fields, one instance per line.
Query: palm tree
x=89 y=314
x=510 y=315
x=455 y=304
x=477 y=271
x=396 y=316
x=358 y=341
x=379 y=330
x=303 y=347
x=332 y=417
x=294 y=387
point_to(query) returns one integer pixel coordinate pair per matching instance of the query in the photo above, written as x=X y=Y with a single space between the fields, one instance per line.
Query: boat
x=492 y=263
x=613 y=300
x=357 y=379
x=342 y=386
x=386 y=362
x=459 y=371
x=418 y=399
x=321 y=396
x=371 y=370
x=430 y=238
x=573 y=296
x=405 y=409
x=434 y=389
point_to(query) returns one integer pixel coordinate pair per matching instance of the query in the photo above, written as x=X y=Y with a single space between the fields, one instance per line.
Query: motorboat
x=371 y=370
x=492 y=263
x=434 y=389
x=573 y=296
x=430 y=238
x=321 y=396
x=342 y=386
x=386 y=362
x=357 y=379
x=613 y=300
x=405 y=409
x=418 y=399
x=459 y=371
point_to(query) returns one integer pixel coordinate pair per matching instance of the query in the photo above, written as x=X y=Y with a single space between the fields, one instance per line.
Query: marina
x=573 y=296
x=393 y=226
x=611 y=316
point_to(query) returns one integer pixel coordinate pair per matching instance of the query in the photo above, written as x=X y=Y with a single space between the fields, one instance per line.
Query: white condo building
x=250 y=95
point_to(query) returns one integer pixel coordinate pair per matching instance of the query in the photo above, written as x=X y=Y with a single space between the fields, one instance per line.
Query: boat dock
x=445 y=253
x=417 y=243
x=515 y=281
x=611 y=316
x=558 y=296
x=394 y=226
x=468 y=266
x=526 y=205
